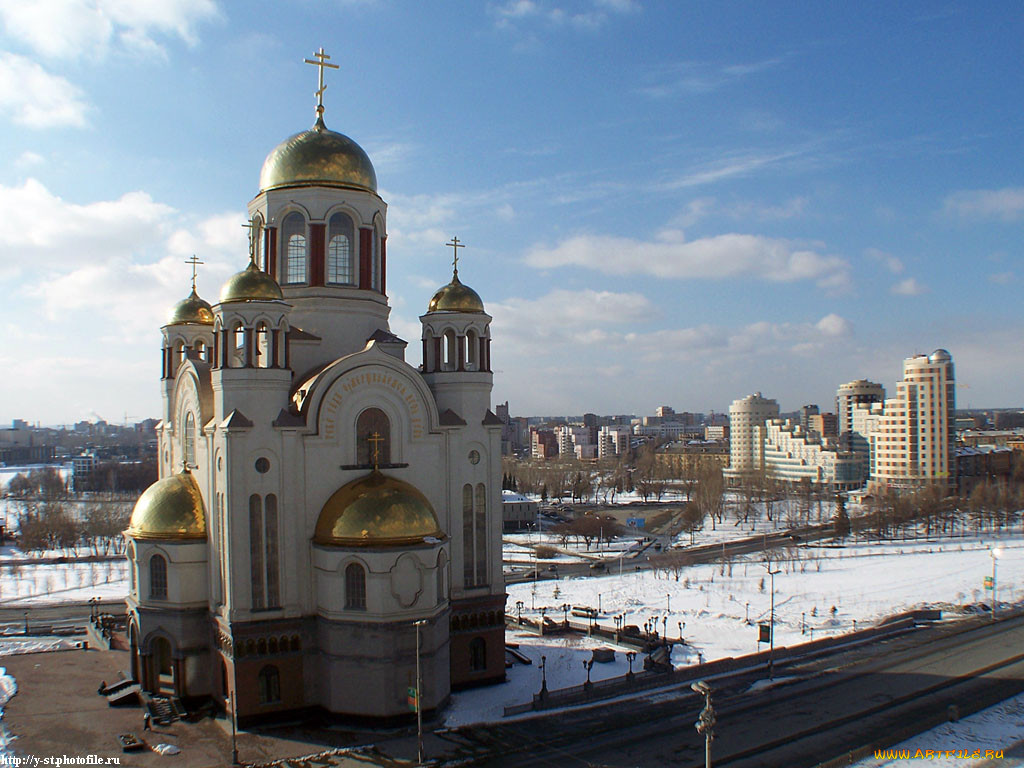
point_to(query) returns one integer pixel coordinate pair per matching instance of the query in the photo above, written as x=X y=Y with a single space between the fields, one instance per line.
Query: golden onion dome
x=318 y=157
x=456 y=297
x=376 y=511
x=171 y=508
x=251 y=284
x=191 y=310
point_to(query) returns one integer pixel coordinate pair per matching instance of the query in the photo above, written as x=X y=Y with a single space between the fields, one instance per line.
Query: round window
x=262 y=464
x=474 y=457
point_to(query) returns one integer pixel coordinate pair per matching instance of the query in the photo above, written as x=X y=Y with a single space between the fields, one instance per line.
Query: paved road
x=59 y=613
x=882 y=693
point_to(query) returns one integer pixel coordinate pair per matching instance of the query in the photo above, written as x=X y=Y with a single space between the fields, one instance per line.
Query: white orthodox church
x=321 y=500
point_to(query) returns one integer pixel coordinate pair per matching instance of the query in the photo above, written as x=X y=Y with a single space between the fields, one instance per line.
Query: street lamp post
x=419 y=699
x=565 y=614
x=543 y=676
x=668 y=602
x=996 y=554
x=587 y=665
x=519 y=610
x=706 y=722
x=630 y=657
x=771 y=624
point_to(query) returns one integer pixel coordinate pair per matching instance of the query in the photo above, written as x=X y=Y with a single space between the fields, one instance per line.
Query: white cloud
x=909 y=287
x=834 y=325
x=33 y=97
x=28 y=159
x=890 y=262
x=513 y=13
x=1006 y=204
x=68 y=29
x=715 y=258
x=706 y=207
x=41 y=230
x=689 y=77
x=730 y=167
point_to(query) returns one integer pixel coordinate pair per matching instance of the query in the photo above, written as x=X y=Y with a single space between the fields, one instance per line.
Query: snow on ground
x=865 y=582
x=13 y=645
x=40 y=583
x=8 y=687
x=995 y=728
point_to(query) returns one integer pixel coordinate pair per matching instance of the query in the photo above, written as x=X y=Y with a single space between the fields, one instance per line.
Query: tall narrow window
x=257 y=243
x=373 y=438
x=468 y=561
x=262 y=351
x=190 y=439
x=256 y=551
x=131 y=568
x=472 y=351
x=451 y=351
x=157 y=578
x=269 y=683
x=355 y=587
x=480 y=524
x=293 y=236
x=375 y=261
x=273 y=572
x=339 y=250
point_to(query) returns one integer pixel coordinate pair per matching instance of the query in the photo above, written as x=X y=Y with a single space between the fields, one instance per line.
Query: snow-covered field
x=38 y=583
x=995 y=728
x=865 y=582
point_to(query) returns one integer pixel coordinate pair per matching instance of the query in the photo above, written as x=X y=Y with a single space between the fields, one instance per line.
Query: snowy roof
x=512 y=496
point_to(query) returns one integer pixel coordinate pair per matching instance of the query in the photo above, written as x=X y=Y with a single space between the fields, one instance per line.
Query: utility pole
x=419 y=696
x=771 y=623
x=706 y=722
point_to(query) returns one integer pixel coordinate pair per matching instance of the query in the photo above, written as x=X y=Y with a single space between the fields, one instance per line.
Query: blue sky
x=664 y=203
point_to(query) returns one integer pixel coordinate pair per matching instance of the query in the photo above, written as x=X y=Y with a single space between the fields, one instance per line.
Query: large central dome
x=318 y=157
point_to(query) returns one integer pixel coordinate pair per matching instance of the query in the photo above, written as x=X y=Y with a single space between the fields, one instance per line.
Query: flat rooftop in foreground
x=57 y=712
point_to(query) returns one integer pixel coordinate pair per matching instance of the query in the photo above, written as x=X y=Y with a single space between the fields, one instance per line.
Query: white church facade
x=320 y=496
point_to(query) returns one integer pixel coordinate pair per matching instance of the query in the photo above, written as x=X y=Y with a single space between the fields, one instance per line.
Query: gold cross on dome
x=321 y=63
x=455 y=245
x=375 y=440
x=194 y=262
x=253 y=228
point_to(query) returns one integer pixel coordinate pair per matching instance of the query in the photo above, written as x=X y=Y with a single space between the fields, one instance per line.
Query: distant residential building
x=978 y=463
x=823 y=425
x=613 y=441
x=664 y=411
x=517 y=511
x=543 y=443
x=792 y=456
x=914 y=441
x=668 y=430
x=806 y=412
x=747 y=416
x=719 y=432
x=851 y=394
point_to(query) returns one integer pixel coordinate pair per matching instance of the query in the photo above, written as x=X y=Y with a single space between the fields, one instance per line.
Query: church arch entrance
x=162 y=666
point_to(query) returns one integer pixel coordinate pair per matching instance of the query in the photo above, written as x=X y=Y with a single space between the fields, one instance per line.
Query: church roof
x=251 y=284
x=318 y=157
x=376 y=511
x=171 y=508
x=191 y=309
x=456 y=297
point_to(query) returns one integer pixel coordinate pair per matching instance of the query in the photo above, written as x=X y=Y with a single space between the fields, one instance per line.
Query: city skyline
x=662 y=204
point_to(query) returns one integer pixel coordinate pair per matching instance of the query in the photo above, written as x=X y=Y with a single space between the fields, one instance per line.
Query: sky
x=664 y=203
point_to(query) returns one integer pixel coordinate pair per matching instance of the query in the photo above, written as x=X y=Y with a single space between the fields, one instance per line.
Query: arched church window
x=373 y=438
x=262 y=346
x=131 y=567
x=256 y=551
x=480 y=525
x=273 y=572
x=355 y=587
x=190 y=439
x=451 y=351
x=293 y=236
x=269 y=683
x=339 y=250
x=200 y=348
x=472 y=351
x=238 y=358
x=468 y=561
x=477 y=654
x=257 y=243
x=157 y=578
x=375 y=261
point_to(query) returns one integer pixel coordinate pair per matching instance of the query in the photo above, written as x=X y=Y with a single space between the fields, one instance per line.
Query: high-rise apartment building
x=746 y=446
x=851 y=394
x=913 y=443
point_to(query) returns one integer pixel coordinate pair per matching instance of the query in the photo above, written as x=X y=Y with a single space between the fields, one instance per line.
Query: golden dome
x=251 y=284
x=191 y=310
x=171 y=508
x=376 y=511
x=456 y=297
x=318 y=157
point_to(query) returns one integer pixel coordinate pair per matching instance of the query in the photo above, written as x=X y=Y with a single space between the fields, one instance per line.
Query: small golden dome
x=456 y=297
x=251 y=284
x=376 y=511
x=318 y=157
x=171 y=508
x=191 y=310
